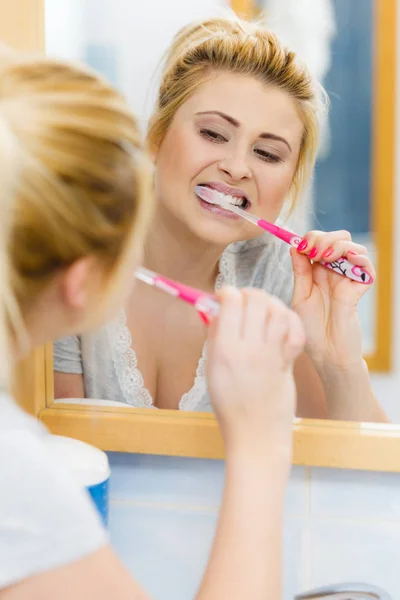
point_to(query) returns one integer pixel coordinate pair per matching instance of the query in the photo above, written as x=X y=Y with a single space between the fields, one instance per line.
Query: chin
x=211 y=229
x=220 y=234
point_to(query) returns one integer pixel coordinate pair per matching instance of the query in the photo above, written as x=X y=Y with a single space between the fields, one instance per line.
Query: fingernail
x=302 y=246
x=327 y=253
x=353 y=253
x=313 y=253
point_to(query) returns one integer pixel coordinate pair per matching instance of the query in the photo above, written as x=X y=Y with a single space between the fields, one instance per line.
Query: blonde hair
x=233 y=45
x=74 y=182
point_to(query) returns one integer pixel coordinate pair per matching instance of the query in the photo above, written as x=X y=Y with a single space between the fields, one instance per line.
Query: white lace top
x=107 y=357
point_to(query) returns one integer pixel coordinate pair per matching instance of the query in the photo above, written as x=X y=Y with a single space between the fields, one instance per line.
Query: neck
x=172 y=250
x=39 y=331
x=45 y=320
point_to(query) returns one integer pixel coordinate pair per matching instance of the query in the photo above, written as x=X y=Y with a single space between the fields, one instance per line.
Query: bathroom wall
x=339 y=525
x=123 y=39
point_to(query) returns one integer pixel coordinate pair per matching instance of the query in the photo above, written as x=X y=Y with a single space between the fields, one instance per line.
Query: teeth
x=231 y=199
x=235 y=201
x=221 y=198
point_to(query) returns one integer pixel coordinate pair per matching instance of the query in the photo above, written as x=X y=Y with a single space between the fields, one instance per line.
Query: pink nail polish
x=327 y=253
x=302 y=246
x=313 y=253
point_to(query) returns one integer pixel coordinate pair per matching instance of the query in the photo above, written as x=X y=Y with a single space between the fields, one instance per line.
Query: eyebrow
x=235 y=123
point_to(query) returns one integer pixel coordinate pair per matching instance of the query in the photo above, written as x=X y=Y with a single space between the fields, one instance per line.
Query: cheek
x=182 y=157
x=274 y=186
x=167 y=159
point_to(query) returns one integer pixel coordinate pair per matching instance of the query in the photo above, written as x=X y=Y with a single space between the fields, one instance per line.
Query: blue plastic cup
x=89 y=467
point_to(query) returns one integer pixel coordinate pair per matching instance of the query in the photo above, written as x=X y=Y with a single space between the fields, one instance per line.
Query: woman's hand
x=252 y=347
x=327 y=302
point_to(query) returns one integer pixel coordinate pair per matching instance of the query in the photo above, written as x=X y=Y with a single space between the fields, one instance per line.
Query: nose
x=235 y=165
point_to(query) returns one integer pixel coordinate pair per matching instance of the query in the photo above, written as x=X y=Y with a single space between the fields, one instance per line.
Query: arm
x=349 y=394
x=329 y=393
x=100 y=576
x=255 y=405
x=327 y=304
x=68 y=368
x=68 y=385
x=311 y=398
x=245 y=560
x=255 y=408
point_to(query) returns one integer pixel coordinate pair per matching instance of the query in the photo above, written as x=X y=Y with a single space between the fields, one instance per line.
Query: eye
x=268 y=156
x=213 y=136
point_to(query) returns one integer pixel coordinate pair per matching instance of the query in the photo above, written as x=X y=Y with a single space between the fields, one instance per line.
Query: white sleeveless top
x=46 y=519
x=107 y=357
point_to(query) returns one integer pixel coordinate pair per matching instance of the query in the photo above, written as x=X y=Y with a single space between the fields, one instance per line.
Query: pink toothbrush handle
x=206 y=305
x=346 y=268
x=341 y=266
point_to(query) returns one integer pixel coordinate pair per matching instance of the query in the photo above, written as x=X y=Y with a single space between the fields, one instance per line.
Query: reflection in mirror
x=258 y=155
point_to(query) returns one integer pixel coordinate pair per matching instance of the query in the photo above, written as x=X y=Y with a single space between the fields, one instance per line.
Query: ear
x=75 y=283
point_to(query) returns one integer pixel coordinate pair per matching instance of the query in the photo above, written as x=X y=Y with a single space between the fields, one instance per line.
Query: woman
x=236 y=112
x=75 y=204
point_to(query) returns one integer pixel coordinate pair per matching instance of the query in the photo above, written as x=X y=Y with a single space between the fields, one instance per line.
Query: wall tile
x=355 y=494
x=345 y=551
x=166 y=480
x=167 y=550
x=298 y=493
x=296 y=551
x=186 y=482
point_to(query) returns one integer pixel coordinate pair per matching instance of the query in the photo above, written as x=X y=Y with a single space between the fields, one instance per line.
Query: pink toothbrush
x=206 y=305
x=340 y=266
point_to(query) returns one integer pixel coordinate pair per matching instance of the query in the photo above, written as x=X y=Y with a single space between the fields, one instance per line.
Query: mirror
x=107 y=36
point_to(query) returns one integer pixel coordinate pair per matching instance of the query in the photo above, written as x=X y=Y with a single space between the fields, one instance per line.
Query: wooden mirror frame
x=316 y=443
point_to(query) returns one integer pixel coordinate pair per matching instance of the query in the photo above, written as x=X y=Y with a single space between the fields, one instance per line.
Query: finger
x=296 y=338
x=314 y=238
x=229 y=323
x=212 y=327
x=327 y=244
x=276 y=326
x=359 y=249
x=256 y=311
x=303 y=277
x=307 y=242
x=360 y=260
x=342 y=249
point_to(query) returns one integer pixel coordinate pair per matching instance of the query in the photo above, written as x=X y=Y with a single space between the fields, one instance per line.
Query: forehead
x=255 y=105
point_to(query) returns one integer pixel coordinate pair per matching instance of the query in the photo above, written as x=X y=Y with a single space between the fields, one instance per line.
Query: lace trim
x=226 y=268
x=191 y=399
x=126 y=366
